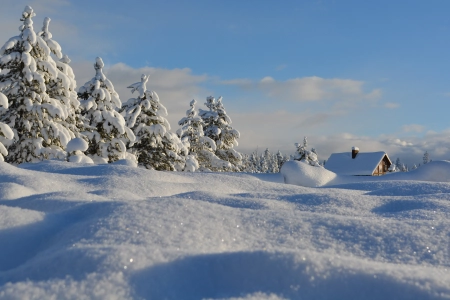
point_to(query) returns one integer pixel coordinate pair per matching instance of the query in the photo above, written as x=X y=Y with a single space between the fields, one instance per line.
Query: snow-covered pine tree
x=201 y=146
x=303 y=154
x=5 y=131
x=155 y=147
x=218 y=128
x=398 y=164
x=63 y=88
x=36 y=119
x=106 y=130
x=266 y=163
x=269 y=162
x=426 y=158
x=251 y=163
x=281 y=159
x=414 y=167
x=393 y=169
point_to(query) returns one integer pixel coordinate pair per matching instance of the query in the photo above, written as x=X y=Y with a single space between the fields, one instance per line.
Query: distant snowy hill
x=74 y=231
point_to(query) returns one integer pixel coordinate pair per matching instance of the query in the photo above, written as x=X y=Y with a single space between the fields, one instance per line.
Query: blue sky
x=372 y=74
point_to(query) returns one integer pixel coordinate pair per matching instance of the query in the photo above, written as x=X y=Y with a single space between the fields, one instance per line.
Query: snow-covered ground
x=73 y=231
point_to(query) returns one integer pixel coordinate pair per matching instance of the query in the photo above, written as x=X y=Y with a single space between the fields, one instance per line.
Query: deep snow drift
x=73 y=231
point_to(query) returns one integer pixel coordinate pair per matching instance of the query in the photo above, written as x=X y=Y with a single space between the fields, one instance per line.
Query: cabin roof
x=364 y=163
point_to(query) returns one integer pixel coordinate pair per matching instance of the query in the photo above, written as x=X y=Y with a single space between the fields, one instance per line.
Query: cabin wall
x=382 y=168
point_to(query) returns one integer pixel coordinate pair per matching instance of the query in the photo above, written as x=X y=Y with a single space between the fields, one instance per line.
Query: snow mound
x=436 y=171
x=11 y=190
x=13 y=216
x=126 y=162
x=300 y=173
x=77 y=144
x=80 y=159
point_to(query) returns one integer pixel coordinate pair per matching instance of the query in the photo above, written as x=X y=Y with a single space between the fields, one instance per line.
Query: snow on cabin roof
x=363 y=164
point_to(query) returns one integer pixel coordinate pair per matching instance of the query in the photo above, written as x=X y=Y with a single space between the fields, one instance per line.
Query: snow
x=77 y=231
x=303 y=174
x=6 y=131
x=77 y=144
x=363 y=164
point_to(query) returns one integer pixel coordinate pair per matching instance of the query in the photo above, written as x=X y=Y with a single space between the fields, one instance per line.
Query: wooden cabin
x=358 y=163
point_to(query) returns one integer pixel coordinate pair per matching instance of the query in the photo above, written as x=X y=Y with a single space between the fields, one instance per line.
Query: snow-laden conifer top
x=77 y=144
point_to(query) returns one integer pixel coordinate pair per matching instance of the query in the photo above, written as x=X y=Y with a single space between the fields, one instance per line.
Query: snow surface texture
x=74 y=231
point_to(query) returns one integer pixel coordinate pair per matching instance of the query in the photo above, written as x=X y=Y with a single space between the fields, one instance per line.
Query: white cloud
x=310 y=89
x=391 y=105
x=176 y=87
x=281 y=67
x=409 y=150
x=413 y=128
x=241 y=82
x=281 y=129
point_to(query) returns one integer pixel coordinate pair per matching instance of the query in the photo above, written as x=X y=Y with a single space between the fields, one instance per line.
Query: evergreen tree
x=398 y=164
x=201 y=146
x=302 y=154
x=404 y=168
x=37 y=120
x=393 y=169
x=253 y=163
x=266 y=163
x=426 y=158
x=106 y=130
x=281 y=159
x=414 y=167
x=155 y=147
x=217 y=127
x=63 y=87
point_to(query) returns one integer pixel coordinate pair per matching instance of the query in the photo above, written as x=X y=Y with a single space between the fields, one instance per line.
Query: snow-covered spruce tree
x=281 y=159
x=398 y=164
x=106 y=130
x=303 y=154
x=269 y=163
x=266 y=163
x=251 y=163
x=63 y=88
x=155 y=147
x=36 y=119
x=426 y=158
x=393 y=169
x=5 y=131
x=200 y=146
x=218 y=128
